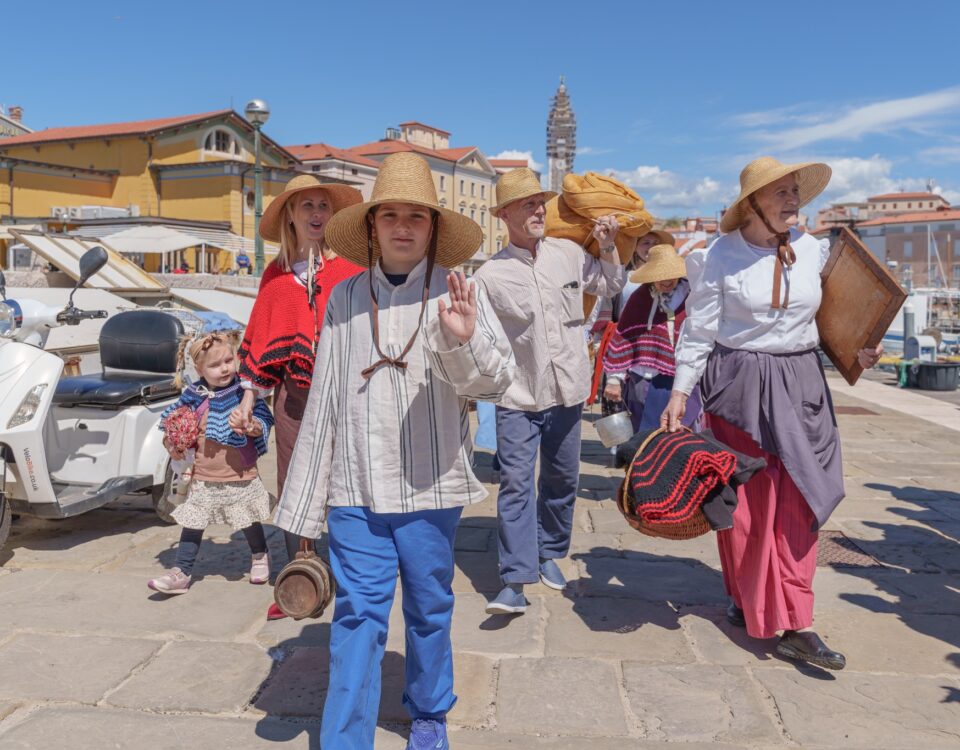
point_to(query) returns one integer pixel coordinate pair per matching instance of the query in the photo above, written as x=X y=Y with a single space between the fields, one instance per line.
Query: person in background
x=279 y=346
x=536 y=286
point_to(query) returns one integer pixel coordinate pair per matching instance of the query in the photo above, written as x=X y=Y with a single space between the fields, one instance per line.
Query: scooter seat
x=114 y=389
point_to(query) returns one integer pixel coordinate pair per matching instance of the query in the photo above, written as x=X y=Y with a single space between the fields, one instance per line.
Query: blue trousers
x=366 y=552
x=536 y=519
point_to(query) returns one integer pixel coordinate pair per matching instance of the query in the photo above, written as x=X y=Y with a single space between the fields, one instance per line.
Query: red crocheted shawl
x=636 y=345
x=283 y=330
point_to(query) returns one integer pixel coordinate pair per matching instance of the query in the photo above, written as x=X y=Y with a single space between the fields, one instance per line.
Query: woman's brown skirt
x=289 y=401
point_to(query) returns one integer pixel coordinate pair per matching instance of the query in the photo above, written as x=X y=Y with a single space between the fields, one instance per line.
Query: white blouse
x=730 y=304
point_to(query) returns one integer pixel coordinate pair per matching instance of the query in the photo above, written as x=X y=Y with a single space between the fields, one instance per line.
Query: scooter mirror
x=90 y=262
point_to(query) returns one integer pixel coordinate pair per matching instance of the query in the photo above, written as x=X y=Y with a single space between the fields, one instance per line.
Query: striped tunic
x=399 y=442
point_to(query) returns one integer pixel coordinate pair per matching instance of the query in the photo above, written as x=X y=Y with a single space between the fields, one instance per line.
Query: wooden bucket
x=306 y=586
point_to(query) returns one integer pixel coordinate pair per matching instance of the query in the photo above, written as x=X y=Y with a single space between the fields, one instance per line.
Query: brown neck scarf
x=785 y=256
x=399 y=362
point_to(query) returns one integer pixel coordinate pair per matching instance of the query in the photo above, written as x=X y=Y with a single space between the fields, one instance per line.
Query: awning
x=5 y=230
x=64 y=252
x=151 y=239
x=218 y=238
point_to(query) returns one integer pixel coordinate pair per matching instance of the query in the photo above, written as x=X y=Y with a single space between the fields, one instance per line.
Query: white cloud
x=909 y=113
x=667 y=193
x=514 y=154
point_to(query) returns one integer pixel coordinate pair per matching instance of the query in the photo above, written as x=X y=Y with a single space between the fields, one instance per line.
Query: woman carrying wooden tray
x=751 y=334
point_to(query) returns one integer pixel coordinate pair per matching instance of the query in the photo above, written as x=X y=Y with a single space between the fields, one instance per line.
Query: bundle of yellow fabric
x=590 y=196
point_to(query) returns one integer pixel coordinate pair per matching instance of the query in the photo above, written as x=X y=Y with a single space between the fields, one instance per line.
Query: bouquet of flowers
x=182 y=429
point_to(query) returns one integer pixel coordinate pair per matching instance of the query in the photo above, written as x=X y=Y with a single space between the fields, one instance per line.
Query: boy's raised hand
x=460 y=319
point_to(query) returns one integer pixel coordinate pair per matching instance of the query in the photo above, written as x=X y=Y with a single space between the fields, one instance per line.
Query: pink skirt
x=769 y=557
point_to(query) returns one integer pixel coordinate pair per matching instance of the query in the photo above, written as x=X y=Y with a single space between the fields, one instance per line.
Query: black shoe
x=735 y=616
x=807 y=646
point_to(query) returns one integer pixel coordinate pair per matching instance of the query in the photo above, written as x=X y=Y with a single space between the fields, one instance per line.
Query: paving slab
x=697 y=703
x=560 y=696
x=68 y=668
x=195 y=676
x=473 y=740
x=610 y=628
x=716 y=641
x=97 y=729
x=297 y=687
x=83 y=542
x=865 y=710
x=120 y=604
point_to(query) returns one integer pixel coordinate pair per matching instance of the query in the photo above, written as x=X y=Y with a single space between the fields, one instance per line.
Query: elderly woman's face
x=780 y=202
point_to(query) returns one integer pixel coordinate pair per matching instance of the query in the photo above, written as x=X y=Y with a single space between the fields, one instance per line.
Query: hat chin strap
x=785 y=256
x=399 y=361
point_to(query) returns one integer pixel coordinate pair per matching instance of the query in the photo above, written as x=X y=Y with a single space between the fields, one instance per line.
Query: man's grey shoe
x=551 y=576
x=510 y=601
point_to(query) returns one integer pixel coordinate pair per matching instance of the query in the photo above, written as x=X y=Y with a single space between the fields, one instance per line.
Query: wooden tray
x=860 y=300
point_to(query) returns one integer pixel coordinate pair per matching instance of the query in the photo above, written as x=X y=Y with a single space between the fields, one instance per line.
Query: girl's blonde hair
x=198 y=346
x=289 y=244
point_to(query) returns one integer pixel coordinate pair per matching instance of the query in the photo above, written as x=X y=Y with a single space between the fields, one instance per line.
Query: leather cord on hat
x=398 y=361
x=785 y=256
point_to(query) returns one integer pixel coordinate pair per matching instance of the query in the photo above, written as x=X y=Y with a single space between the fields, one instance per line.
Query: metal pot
x=615 y=429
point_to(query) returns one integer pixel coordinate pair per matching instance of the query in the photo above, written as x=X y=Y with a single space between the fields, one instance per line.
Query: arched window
x=221 y=141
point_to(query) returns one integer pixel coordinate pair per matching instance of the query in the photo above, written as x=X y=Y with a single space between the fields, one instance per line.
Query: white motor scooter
x=73 y=444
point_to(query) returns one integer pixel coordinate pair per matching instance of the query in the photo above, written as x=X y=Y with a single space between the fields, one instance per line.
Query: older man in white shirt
x=536 y=286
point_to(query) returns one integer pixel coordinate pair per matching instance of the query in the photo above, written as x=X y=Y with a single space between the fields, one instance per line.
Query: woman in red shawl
x=279 y=344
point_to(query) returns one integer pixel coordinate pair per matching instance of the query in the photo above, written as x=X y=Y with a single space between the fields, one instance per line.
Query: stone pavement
x=635 y=654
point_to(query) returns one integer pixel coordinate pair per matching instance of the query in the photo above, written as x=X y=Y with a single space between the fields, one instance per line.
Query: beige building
x=464 y=177
x=890 y=203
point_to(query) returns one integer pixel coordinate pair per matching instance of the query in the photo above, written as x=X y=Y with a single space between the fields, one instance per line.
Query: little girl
x=225 y=487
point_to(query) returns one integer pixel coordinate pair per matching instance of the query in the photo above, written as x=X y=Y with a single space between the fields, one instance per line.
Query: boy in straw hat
x=384 y=451
x=536 y=285
x=639 y=360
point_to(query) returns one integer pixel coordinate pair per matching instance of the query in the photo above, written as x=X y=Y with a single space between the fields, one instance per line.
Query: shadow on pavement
x=294 y=692
x=922 y=570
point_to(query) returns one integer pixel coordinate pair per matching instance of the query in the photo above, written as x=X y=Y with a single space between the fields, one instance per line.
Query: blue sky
x=674 y=97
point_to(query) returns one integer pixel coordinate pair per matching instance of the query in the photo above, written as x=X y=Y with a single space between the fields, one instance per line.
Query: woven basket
x=690 y=528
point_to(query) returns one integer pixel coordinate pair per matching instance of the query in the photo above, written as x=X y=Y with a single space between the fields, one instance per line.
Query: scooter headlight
x=28 y=407
x=8 y=320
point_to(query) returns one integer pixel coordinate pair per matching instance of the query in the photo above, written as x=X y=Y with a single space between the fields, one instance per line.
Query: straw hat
x=812 y=177
x=404 y=178
x=341 y=196
x=517 y=184
x=663 y=237
x=662 y=264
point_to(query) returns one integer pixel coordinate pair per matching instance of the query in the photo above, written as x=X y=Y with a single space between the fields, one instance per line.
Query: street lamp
x=257 y=113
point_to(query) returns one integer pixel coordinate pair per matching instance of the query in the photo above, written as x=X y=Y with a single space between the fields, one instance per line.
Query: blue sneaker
x=551 y=576
x=510 y=601
x=428 y=734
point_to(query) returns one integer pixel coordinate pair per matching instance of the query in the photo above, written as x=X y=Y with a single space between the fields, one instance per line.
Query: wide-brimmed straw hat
x=812 y=178
x=663 y=264
x=517 y=184
x=404 y=178
x=341 y=196
x=663 y=237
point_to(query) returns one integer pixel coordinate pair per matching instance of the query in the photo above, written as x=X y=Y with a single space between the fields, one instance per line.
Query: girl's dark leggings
x=190 y=545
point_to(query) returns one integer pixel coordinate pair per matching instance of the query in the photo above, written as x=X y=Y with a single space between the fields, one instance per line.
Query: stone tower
x=561 y=138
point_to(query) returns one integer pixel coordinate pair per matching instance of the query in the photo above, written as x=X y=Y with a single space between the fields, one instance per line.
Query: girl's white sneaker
x=260 y=568
x=174 y=581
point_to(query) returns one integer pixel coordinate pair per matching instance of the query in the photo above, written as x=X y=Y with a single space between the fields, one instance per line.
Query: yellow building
x=194 y=168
